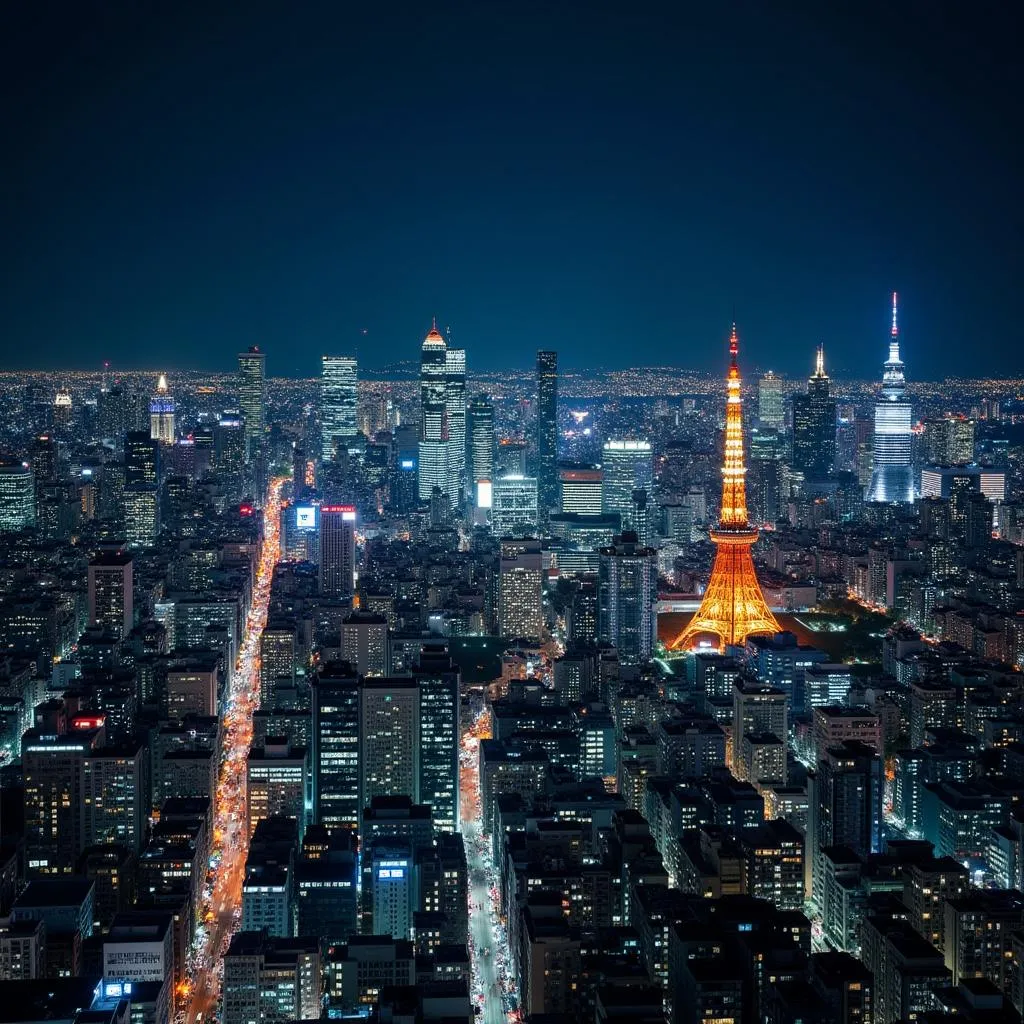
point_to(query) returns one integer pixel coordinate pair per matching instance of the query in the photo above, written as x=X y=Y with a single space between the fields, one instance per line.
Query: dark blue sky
x=615 y=181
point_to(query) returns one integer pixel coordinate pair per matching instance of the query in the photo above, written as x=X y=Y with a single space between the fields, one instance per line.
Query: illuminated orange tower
x=733 y=607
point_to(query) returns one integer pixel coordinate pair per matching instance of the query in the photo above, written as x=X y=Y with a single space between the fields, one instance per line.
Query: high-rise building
x=814 y=425
x=276 y=783
x=892 y=477
x=547 y=432
x=455 y=412
x=520 y=611
x=335 y=767
x=439 y=732
x=110 y=594
x=733 y=606
x=581 y=490
x=389 y=740
x=114 y=791
x=141 y=515
x=434 y=465
x=141 y=459
x=627 y=593
x=277 y=659
x=252 y=397
x=63 y=411
x=948 y=441
x=271 y=979
x=17 y=498
x=339 y=399
x=480 y=441
x=336 y=574
x=364 y=644
x=628 y=466
x=52 y=769
x=514 y=506
x=161 y=413
x=844 y=805
x=770 y=409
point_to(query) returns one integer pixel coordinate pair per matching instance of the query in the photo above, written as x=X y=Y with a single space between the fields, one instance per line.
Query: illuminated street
x=221 y=905
x=493 y=990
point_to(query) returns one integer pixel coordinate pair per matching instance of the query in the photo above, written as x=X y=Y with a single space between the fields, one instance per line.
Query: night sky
x=615 y=181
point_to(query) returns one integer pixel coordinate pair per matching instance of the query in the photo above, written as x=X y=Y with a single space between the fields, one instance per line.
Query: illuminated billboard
x=483 y=493
x=305 y=517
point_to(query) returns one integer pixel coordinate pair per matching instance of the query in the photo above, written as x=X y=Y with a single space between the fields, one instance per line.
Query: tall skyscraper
x=17 y=498
x=627 y=592
x=111 y=605
x=337 y=550
x=582 y=490
x=335 y=767
x=389 y=739
x=547 y=432
x=948 y=441
x=161 y=413
x=339 y=399
x=520 y=612
x=733 y=606
x=770 y=410
x=440 y=699
x=480 y=441
x=514 y=506
x=814 y=425
x=433 y=463
x=252 y=397
x=455 y=411
x=628 y=466
x=892 y=478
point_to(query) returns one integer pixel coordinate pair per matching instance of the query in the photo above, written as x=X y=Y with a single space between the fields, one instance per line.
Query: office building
x=337 y=563
x=439 y=733
x=252 y=397
x=271 y=980
x=268 y=889
x=276 y=783
x=17 y=498
x=480 y=444
x=844 y=806
x=277 y=660
x=581 y=490
x=547 y=432
x=627 y=592
x=335 y=767
x=948 y=441
x=892 y=477
x=814 y=425
x=161 y=413
x=434 y=461
x=770 y=407
x=364 y=644
x=455 y=414
x=115 y=796
x=514 y=511
x=520 y=611
x=141 y=515
x=111 y=606
x=339 y=395
x=628 y=466
x=390 y=743
x=52 y=769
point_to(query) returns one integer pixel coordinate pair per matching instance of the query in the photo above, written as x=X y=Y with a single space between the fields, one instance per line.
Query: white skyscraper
x=435 y=461
x=338 y=401
x=628 y=466
x=514 y=506
x=455 y=409
x=892 y=477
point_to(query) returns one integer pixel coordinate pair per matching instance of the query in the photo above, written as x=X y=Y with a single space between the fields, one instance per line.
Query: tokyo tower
x=733 y=606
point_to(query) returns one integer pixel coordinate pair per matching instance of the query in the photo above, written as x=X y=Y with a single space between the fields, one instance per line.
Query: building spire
x=895 y=321
x=734 y=345
x=819 y=366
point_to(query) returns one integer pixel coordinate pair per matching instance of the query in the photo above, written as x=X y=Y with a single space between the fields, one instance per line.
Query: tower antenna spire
x=819 y=369
x=895 y=311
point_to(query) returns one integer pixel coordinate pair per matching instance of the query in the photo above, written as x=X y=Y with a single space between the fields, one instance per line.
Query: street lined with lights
x=221 y=907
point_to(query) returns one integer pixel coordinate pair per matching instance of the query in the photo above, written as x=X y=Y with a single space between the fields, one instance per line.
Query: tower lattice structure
x=733 y=607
